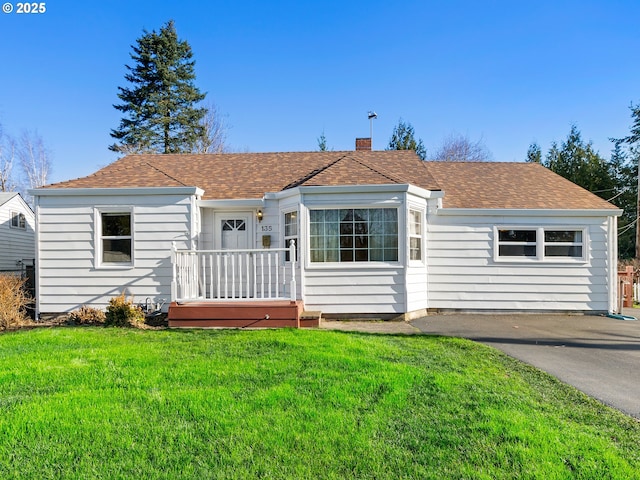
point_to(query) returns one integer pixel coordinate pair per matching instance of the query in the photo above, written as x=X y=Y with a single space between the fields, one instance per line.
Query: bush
x=123 y=313
x=87 y=316
x=13 y=302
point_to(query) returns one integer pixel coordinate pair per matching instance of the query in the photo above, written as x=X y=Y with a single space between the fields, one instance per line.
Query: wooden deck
x=254 y=314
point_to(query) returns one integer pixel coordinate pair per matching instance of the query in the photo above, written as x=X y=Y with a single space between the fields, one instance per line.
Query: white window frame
x=288 y=238
x=420 y=235
x=21 y=220
x=540 y=244
x=350 y=264
x=99 y=263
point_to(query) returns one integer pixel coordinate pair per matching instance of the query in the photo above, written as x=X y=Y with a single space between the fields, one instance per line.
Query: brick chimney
x=363 y=143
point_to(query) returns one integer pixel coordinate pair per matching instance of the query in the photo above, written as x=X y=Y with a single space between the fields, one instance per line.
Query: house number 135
x=266 y=228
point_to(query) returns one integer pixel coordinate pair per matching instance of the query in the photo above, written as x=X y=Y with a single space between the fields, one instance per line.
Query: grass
x=118 y=403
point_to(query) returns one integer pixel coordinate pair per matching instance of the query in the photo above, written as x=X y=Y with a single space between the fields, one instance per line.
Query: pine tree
x=403 y=138
x=579 y=162
x=632 y=148
x=322 y=142
x=625 y=196
x=534 y=153
x=161 y=105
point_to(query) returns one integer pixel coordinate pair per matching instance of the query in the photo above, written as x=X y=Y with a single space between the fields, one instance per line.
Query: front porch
x=237 y=288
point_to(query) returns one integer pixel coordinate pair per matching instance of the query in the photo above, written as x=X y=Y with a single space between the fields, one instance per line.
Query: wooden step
x=310 y=319
x=258 y=314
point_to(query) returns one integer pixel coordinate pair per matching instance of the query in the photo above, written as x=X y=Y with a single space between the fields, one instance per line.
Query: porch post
x=292 y=256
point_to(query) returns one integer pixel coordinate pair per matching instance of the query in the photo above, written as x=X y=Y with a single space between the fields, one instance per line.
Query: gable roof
x=251 y=175
x=6 y=196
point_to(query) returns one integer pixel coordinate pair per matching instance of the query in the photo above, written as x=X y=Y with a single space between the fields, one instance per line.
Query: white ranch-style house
x=356 y=233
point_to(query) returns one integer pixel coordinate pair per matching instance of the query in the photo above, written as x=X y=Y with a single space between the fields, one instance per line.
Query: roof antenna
x=371 y=115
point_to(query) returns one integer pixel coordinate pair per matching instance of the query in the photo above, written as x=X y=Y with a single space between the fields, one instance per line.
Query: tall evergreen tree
x=161 y=105
x=579 y=162
x=534 y=153
x=625 y=196
x=322 y=142
x=403 y=138
x=632 y=148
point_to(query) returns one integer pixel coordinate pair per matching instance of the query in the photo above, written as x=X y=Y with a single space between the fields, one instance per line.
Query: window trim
x=540 y=244
x=399 y=208
x=21 y=220
x=99 y=263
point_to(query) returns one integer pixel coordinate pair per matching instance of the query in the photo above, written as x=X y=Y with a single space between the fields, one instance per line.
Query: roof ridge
x=381 y=171
x=166 y=174
x=312 y=174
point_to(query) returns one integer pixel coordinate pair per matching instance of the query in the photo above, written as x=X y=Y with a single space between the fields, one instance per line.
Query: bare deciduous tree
x=214 y=135
x=459 y=148
x=7 y=156
x=34 y=159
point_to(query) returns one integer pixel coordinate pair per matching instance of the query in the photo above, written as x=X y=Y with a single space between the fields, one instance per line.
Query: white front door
x=233 y=231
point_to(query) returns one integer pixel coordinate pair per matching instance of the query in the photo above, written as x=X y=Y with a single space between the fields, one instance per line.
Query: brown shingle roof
x=251 y=175
x=510 y=185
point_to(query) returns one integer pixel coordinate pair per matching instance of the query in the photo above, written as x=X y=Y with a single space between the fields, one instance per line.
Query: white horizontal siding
x=16 y=244
x=351 y=289
x=69 y=275
x=464 y=276
x=416 y=288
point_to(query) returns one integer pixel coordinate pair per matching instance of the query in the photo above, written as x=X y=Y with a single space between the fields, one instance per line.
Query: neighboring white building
x=17 y=233
x=377 y=233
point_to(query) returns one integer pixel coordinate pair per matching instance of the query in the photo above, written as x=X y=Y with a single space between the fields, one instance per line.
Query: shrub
x=123 y=313
x=87 y=316
x=13 y=302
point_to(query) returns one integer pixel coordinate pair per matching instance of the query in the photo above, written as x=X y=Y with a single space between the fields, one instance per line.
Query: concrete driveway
x=596 y=354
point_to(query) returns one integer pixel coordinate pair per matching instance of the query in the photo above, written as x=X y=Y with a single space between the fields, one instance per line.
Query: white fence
x=229 y=275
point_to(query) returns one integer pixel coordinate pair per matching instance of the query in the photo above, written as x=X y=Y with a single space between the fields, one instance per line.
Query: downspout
x=194 y=234
x=405 y=243
x=612 y=233
x=36 y=201
x=615 y=307
x=303 y=235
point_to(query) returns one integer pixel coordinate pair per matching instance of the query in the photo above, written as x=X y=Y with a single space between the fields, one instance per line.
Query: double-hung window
x=354 y=235
x=563 y=243
x=517 y=243
x=540 y=244
x=18 y=220
x=290 y=232
x=415 y=234
x=115 y=238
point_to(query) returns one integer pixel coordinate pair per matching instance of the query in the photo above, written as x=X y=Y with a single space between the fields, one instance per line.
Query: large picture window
x=115 y=238
x=541 y=243
x=354 y=235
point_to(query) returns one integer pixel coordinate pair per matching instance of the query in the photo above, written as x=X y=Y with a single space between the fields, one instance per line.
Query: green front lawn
x=119 y=403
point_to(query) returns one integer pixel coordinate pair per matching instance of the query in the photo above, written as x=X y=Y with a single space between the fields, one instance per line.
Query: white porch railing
x=229 y=275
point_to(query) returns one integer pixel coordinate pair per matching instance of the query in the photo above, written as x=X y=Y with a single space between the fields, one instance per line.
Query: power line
x=627 y=227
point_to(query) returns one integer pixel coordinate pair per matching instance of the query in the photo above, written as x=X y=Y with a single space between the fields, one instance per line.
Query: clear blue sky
x=511 y=72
